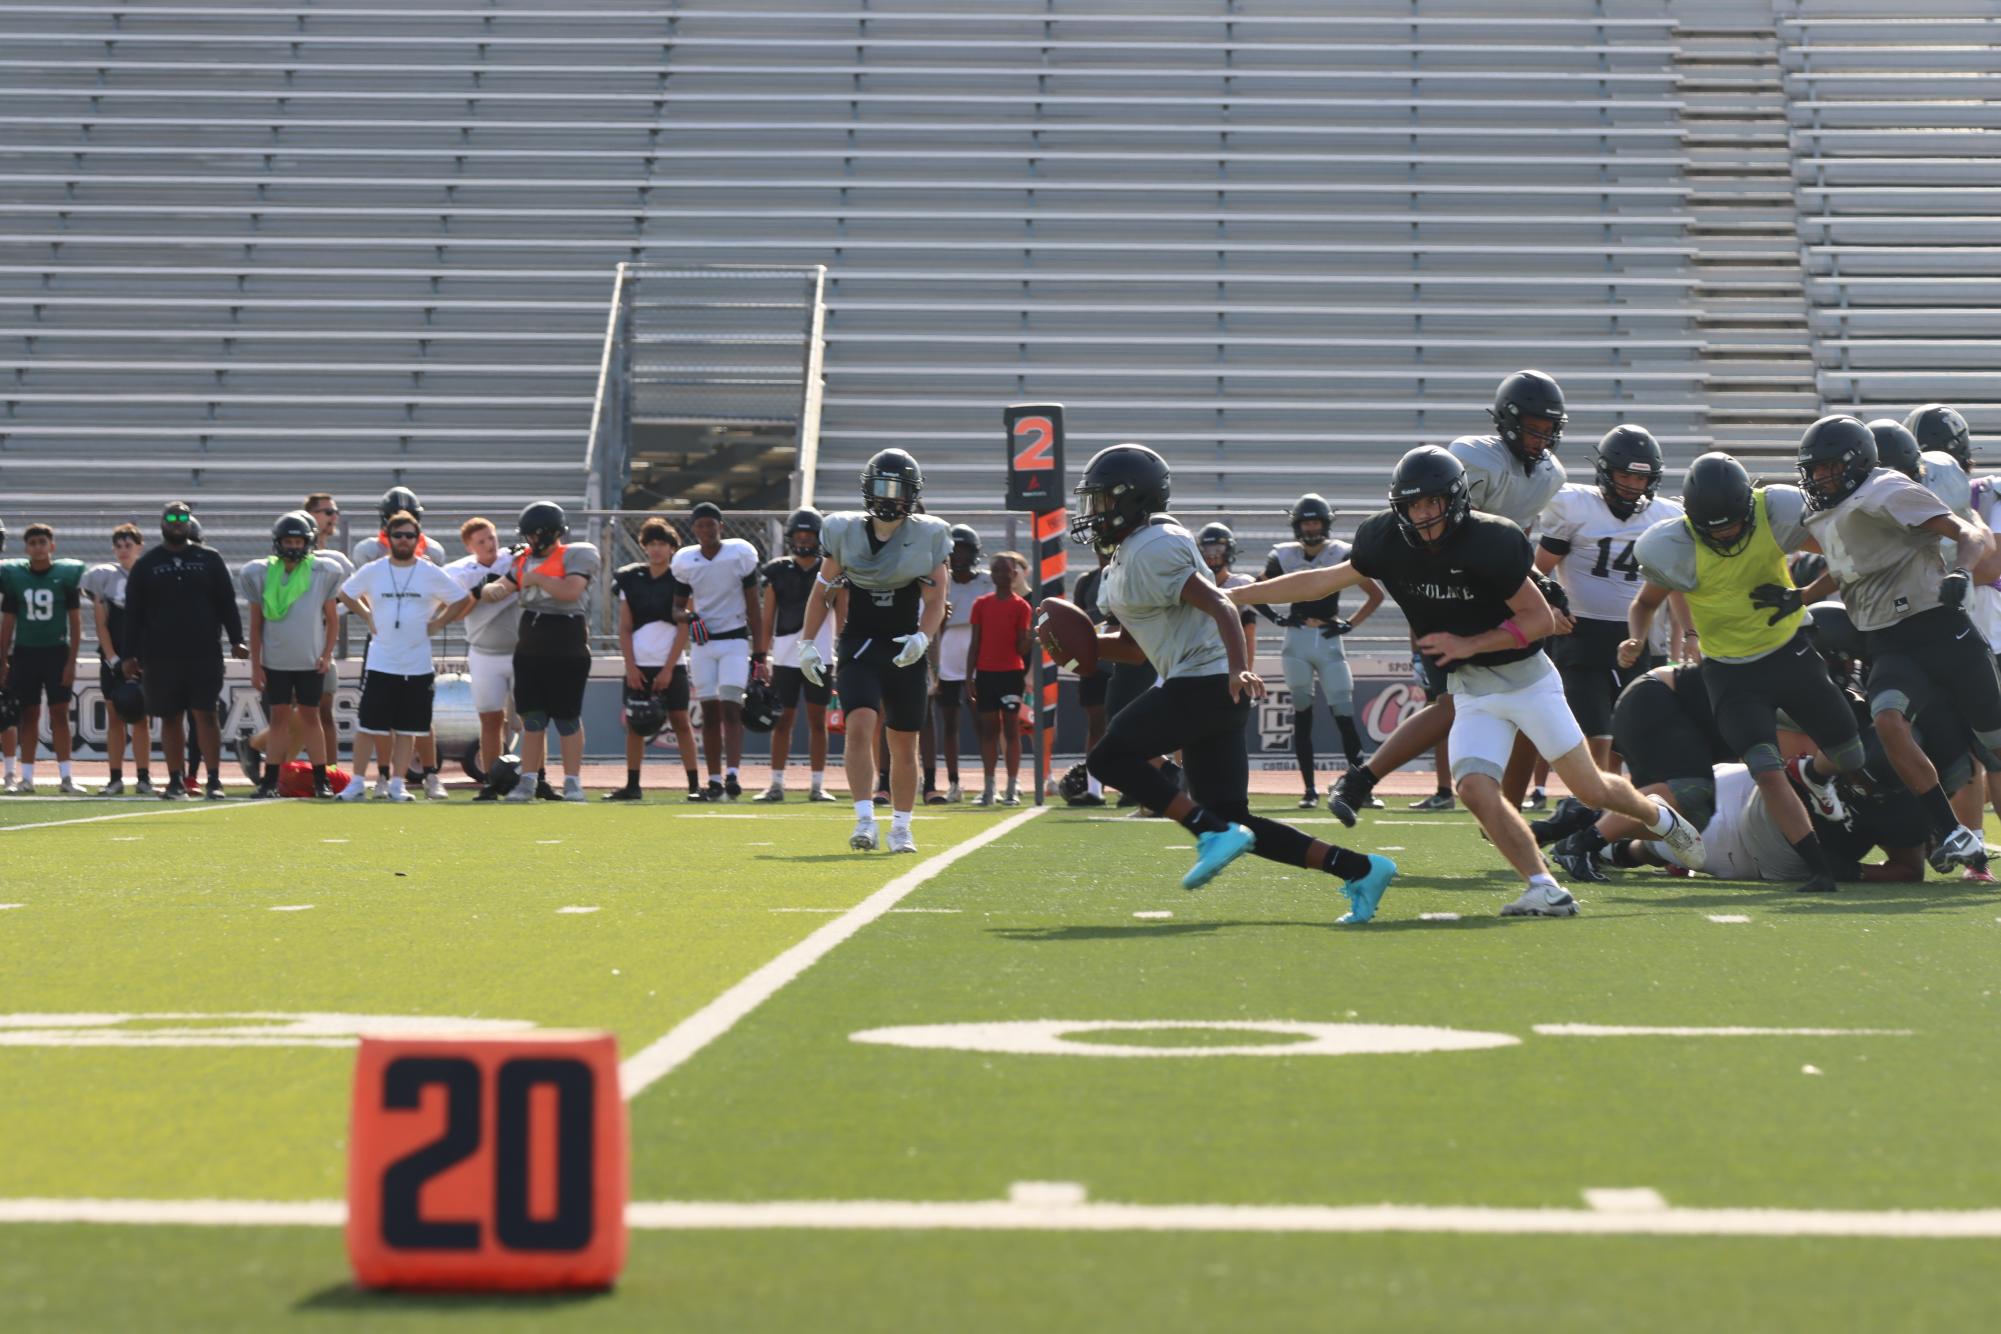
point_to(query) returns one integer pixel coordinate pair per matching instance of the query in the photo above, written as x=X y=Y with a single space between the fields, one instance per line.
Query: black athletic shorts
x=301 y=688
x=995 y=691
x=176 y=685
x=1660 y=737
x=675 y=696
x=1430 y=677
x=1935 y=654
x=35 y=673
x=789 y=683
x=1130 y=683
x=949 y=694
x=1091 y=690
x=393 y=703
x=867 y=677
x=552 y=664
x=1746 y=698
x=1191 y=714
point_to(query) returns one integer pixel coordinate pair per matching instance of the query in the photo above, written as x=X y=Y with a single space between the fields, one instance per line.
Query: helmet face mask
x=292 y=536
x=1836 y=456
x=891 y=485
x=1312 y=520
x=1123 y=487
x=542 y=525
x=1941 y=428
x=1218 y=546
x=1721 y=505
x=1629 y=468
x=1428 y=496
x=1529 y=415
x=802 y=533
x=964 y=556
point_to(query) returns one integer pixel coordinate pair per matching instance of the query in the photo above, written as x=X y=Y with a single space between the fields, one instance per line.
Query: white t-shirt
x=716 y=584
x=403 y=602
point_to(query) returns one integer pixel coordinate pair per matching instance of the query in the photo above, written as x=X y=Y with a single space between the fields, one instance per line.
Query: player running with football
x=1172 y=615
x=1464 y=582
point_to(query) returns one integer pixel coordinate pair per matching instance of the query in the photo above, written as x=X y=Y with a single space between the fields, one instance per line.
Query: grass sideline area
x=1873 y=1095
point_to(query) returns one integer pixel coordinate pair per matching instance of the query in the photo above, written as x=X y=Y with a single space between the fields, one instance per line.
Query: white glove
x=809 y=663
x=913 y=648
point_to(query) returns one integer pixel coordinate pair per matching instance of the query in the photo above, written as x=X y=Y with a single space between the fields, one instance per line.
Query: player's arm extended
x=1972 y=541
x=1300 y=586
x=816 y=607
x=1533 y=618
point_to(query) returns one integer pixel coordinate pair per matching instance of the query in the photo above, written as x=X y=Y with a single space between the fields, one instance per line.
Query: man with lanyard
x=1513 y=474
x=404 y=598
x=790 y=581
x=104 y=585
x=1171 y=614
x=970 y=582
x=401 y=499
x=293 y=624
x=1727 y=556
x=41 y=627
x=1463 y=579
x=1314 y=655
x=724 y=617
x=651 y=638
x=892 y=560
x=491 y=629
x=552 y=657
x=178 y=597
x=1880 y=532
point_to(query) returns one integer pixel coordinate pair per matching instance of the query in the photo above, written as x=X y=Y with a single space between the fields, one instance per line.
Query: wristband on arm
x=1515 y=633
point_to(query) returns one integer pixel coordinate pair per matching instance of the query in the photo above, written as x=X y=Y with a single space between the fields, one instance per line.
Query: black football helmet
x=1629 y=451
x=399 y=498
x=542 y=525
x=1218 y=534
x=1076 y=781
x=1716 y=494
x=1896 y=447
x=805 y=520
x=645 y=713
x=1123 y=487
x=1309 y=507
x=297 y=524
x=760 y=705
x=1520 y=402
x=1429 y=470
x=891 y=484
x=501 y=779
x=1833 y=630
x=127 y=699
x=1835 y=439
x=966 y=538
x=1942 y=428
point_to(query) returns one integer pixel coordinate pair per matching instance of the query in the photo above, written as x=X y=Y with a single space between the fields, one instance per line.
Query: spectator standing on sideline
x=104 y=585
x=293 y=625
x=970 y=581
x=178 y=598
x=41 y=626
x=789 y=581
x=999 y=654
x=251 y=750
x=651 y=639
x=402 y=500
x=721 y=575
x=492 y=630
x=552 y=657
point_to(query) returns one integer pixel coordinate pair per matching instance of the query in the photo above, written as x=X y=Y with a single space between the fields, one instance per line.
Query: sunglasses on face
x=403 y=535
x=331 y=512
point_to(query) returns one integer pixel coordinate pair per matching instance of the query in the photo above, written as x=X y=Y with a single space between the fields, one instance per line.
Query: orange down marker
x=487 y=1162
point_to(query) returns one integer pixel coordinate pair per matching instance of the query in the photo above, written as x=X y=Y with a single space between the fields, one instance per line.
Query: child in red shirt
x=999 y=656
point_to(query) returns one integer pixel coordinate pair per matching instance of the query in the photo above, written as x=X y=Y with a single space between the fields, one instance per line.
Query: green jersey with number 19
x=40 y=600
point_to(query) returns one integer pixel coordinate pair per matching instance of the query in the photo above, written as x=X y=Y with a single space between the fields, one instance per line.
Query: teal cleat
x=1365 y=892
x=1214 y=851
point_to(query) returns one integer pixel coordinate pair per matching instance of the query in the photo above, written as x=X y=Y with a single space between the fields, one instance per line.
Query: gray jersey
x=1142 y=588
x=1497 y=484
x=106 y=584
x=578 y=558
x=293 y=642
x=918 y=546
x=1887 y=566
x=1943 y=477
x=491 y=627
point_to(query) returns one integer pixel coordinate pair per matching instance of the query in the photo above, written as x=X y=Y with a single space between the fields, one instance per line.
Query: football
x=1068 y=634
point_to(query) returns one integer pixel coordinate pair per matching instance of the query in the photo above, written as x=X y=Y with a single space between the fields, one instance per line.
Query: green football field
x=1084 y=1099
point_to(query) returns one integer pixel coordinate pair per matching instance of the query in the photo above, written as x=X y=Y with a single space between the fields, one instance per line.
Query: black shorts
x=1091 y=689
x=1746 y=698
x=995 y=691
x=1935 y=655
x=392 y=703
x=176 y=685
x=675 y=696
x=949 y=694
x=1658 y=734
x=789 y=683
x=35 y=674
x=1430 y=677
x=1194 y=715
x=1129 y=684
x=867 y=677
x=301 y=688
x=552 y=664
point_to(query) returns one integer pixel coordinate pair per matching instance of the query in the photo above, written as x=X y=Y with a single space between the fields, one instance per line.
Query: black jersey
x=1461 y=587
x=792 y=583
x=650 y=599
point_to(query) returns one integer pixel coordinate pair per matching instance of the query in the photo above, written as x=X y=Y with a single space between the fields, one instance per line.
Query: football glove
x=809 y=662
x=1783 y=601
x=913 y=648
x=1952 y=589
x=1552 y=592
x=1335 y=628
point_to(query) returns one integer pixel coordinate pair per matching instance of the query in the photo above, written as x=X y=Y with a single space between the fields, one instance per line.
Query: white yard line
x=645 y=1067
x=204 y=808
x=1633 y=1031
x=1728 y=918
x=1061 y=1215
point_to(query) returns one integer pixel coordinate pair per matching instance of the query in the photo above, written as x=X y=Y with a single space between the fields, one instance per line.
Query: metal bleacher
x=1896 y=136
x=1281 y=240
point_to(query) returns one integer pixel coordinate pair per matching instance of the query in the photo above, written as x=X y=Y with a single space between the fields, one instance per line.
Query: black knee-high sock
x=1814 y=855
x=1302 y=745
x=1351 y=740
x=1938 y=810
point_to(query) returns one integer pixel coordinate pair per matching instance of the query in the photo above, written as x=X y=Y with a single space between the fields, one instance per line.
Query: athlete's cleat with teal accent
x=1215 y=850
x=1366 y=891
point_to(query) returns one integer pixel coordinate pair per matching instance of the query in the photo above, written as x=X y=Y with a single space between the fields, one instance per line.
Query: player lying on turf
x=1464 y=582
x=1172 y=616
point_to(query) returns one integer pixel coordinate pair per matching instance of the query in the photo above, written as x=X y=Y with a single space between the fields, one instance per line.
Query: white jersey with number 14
x=1599 y=571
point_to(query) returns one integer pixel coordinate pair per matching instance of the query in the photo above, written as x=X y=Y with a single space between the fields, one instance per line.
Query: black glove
x=1952 y=589
x=1552 y=593
x=1783 y=601
x=1335 y=628
x=1289 y=620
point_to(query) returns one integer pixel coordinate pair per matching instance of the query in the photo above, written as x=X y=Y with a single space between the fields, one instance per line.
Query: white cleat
x=1826 y=802
x=381 y=789
x=1684 y=839
x=1962 y=847
x=901 y=840
x=355 y=791
x=1542 y=901
x=434 y=788
x=863 y=839
x=69 y=788
x=401 y=794
x=522 y=791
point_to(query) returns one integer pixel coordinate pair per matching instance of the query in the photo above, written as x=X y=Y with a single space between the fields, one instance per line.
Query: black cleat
x=731 y=788
x=251 y=759
x=1571 y=816
x=543 y=792
x=1578 y=862
x=322 y=790
x=266 y=790
x=487 y=794
x=714 y=791
x=623 y=794
x=1821 y=883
